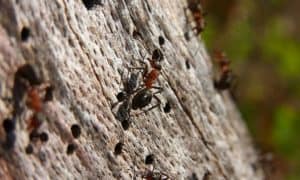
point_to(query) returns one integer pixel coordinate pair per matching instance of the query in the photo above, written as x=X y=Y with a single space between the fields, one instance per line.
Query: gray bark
x=83 y=53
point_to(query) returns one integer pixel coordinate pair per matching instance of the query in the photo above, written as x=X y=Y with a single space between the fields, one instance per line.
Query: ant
x=144 y=96
x=35 y=102
x=225 y=80
x=135 y=96
x=130 y=87
x=198 y=15
x=151 y=70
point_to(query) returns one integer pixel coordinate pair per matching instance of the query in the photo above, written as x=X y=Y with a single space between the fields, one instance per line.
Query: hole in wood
x=25 y=33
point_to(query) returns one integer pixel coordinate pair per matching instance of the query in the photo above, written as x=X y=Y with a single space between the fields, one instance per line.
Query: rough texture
x=83 y=53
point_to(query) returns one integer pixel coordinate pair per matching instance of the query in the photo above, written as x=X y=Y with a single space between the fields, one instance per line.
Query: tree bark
x=84 y=50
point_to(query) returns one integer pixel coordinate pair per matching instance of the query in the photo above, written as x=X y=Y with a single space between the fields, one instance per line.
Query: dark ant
x=226 y=75
x=135 y=96
x=198 y=15
x=143 y=96
x=123 y=112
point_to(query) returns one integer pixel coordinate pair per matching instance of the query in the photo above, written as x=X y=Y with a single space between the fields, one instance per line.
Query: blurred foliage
x=262 y=40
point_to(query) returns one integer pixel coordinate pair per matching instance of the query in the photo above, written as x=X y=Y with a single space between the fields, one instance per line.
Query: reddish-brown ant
x=198 y=15
x=144 y=96
x=226 y=75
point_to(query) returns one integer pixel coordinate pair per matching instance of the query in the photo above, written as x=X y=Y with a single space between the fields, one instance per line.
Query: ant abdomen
x=141 y=99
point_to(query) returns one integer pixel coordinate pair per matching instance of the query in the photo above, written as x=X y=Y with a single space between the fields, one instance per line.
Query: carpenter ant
x=226 y=77
x=143 y=97
x=198 y=15
x=152 y=70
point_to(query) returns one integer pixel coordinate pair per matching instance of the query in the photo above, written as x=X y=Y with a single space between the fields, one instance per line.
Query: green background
x=262 y=39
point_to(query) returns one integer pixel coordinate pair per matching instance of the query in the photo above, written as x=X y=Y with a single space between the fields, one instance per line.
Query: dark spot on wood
x=89 y=4
x=193 y=177
x=161 y=40
x=167 y=107
x=187 y=36
x=25 y=33
x=34 y=135
x=136 y=34
x=29 y=149
x=76 y=130
x=118 y=148
x=44 y=137
x=71 y=148
x=187 y=64
x=206 y=176
x=149 y=159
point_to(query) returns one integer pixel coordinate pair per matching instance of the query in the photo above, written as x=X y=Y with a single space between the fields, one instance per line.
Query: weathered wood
x=83 y=53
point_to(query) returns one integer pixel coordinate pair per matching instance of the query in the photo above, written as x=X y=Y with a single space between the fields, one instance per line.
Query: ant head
x=157 y=55
x=29 y=73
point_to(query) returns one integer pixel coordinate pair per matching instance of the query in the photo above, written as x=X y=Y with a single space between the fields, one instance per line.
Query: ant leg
x=159 y=89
